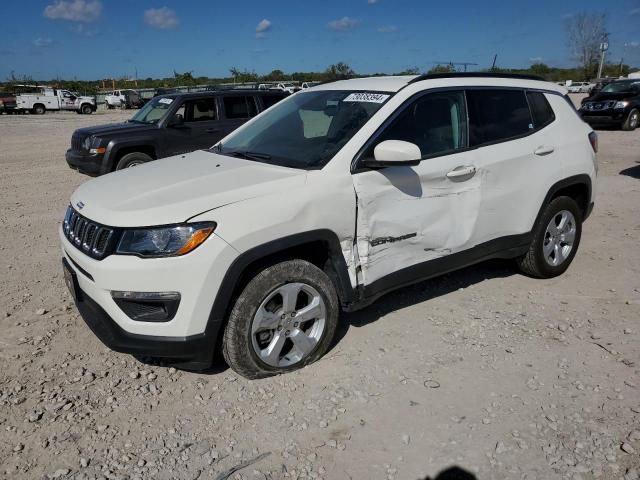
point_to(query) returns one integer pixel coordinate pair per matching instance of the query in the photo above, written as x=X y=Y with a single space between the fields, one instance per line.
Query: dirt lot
x=486 y=370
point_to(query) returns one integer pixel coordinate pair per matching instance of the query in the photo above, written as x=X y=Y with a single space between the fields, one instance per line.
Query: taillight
x=593 y=139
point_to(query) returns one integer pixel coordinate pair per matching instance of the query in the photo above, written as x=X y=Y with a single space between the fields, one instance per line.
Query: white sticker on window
x=366 y=97
x=166 y=101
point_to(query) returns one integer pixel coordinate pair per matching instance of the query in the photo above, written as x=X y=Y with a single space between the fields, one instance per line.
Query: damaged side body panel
x=408 y=216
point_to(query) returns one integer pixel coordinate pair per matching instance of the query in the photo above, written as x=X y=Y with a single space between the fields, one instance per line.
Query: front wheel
x=556 y=237
x=132 y=159
x=632 y=121
x=86 y=109
x=285 y=318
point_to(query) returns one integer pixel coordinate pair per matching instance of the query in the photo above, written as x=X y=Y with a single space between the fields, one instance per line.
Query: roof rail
x=432 y=76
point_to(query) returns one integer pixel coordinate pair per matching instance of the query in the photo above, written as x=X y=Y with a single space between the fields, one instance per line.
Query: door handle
x=459 y=172
x=543 y=150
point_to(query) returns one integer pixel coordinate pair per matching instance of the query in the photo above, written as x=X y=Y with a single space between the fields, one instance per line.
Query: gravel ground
x=486 y=370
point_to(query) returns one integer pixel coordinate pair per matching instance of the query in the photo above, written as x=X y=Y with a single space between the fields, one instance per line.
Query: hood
x=114 y=128
x=602 y=97
x=174 y=189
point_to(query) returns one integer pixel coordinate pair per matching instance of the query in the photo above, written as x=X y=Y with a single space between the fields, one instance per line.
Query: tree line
x=585 y=33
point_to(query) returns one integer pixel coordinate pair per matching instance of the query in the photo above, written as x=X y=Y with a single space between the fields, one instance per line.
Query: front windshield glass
x=306 y=130
x=616 y=87
x=153 y=111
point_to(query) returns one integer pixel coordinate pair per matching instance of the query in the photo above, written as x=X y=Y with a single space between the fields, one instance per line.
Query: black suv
x=167 y=125
x=617 y=103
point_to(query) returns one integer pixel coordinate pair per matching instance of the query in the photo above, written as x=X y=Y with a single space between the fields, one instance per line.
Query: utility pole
x=495 y=57
x=603 y=48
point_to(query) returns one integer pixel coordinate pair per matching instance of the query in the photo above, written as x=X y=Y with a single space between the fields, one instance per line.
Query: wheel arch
x=119 y=151
x=578 y=187
x=320 y=247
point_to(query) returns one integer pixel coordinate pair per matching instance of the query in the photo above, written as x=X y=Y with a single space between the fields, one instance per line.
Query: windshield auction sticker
x=366 y=97
x=167 y=101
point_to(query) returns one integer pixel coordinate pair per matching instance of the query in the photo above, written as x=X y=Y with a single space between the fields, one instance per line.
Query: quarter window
x=496 y=115
x=436 y=123
x=540 y=109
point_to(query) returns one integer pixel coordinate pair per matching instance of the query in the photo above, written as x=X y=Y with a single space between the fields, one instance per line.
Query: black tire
x=237 y=341
x=38 y=109
x=632 y=121
x=110 y=107
x=86 y=109
x=132 y=159
x=533 y=262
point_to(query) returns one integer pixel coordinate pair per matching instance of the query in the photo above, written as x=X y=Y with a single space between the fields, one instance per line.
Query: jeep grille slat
x=87 y=236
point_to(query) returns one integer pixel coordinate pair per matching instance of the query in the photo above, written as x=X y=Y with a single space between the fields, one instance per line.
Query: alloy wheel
x=559 y=238
x=288 y=324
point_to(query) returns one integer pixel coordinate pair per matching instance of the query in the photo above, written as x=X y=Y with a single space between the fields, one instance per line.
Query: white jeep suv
x=323 y=203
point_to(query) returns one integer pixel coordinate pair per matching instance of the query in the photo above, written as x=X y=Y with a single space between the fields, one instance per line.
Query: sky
x=99 y=39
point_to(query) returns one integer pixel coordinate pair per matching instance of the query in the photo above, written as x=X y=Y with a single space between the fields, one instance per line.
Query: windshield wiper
x=248 y=155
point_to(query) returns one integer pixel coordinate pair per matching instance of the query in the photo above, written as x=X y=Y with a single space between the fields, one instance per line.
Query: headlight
x=166 y=241
x=87 y=143
x=622 y=104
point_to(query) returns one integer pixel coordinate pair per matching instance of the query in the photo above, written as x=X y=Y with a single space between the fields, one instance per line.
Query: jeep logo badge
x=80 y=205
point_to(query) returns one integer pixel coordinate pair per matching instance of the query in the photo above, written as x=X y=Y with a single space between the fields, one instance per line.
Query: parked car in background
x=167 y=125
x=579 y=87
x=287 y=87
x=617 y=103
x=325 y=202
x=55 y=99
x=123 y=99
x=306 y=85
x=7 y=103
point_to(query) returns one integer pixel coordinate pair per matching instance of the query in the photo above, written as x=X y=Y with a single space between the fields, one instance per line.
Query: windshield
x=306 y=130
x=616 y=87
x=153 y=111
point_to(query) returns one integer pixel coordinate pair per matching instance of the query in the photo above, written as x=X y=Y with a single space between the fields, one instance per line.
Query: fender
x=224 y=297
x=582 y=179
x=115 y=145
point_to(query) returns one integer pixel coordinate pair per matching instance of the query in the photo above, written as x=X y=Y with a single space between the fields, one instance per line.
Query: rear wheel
x=285 y=318
x=38 y=109
x=86 y=109
x=633 y=120
x=556 y=237
x=132 y=159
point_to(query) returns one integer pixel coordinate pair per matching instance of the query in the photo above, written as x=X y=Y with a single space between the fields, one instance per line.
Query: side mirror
x=394 y=153
x=176 y=121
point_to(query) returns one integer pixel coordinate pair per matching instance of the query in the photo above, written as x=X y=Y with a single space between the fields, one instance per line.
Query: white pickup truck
x=54 y=99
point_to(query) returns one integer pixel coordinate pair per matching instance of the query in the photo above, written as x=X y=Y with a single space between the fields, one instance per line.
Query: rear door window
x=270 y=100
x=497 y=115
x=540 y=109
x=240 y=106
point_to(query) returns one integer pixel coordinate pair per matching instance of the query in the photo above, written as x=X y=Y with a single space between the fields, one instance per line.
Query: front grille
x=596 y=106
x=88 y=236
x=77 y=143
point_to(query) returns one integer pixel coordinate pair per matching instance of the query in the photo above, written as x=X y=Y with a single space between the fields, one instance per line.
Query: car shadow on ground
x=633 y=172
x=424 y=291
x=453 y=473
x=396 y=300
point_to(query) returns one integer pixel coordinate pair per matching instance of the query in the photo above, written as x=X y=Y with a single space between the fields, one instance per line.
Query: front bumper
x=190 y=336
x=605 y=117
x=195 y=350
x=84 y=162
